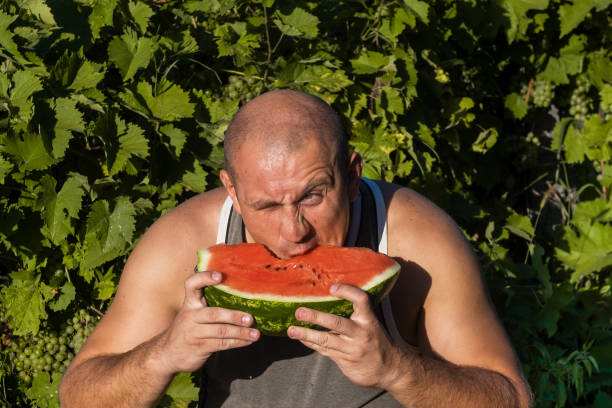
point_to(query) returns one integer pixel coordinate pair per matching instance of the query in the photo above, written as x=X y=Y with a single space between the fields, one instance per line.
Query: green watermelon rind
x=275 y=317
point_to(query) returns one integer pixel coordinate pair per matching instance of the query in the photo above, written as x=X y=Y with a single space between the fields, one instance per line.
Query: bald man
x=291 y=185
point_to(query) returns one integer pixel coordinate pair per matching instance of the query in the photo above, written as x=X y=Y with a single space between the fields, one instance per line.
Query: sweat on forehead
x=283 y=118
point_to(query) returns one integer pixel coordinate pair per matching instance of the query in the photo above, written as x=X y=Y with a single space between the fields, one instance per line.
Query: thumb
x=194 y=285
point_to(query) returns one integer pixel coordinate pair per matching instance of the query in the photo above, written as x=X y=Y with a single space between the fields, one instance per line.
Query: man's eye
x=312 y=198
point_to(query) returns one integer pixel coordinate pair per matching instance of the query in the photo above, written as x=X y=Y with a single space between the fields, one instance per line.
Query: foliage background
x=113 y=111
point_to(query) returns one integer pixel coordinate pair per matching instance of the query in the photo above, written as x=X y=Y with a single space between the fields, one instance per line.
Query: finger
x=221 y=315
x=323 y=342
x=359 y=299
x=194 y=285
x=330 y=321
x=225 y=331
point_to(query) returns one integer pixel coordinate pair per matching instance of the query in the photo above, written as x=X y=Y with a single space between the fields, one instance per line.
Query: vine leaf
x=101 y=15
x=570 y=61
x=60 y=208
x=130 y=53
x=177 y=138
x=25 y=84
x=39 y=9
x=419 y=8
x=299 y=23
x=67 y=295
x=169 y=103
x=369 y=62
x=516 y=12
x=25 y=306
x=141 y=13
x=182 y=389
x=108 y=233
x=30 y=151
x=69 y=119
x=44 y=389
x=516 y=104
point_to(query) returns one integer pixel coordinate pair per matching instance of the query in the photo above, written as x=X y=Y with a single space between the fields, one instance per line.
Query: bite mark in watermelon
x=271 y=289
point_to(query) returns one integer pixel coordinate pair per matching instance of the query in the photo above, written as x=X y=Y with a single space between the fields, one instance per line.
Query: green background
x=113 y=111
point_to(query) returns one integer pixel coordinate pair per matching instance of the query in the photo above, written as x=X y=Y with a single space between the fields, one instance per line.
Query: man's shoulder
x=199 y=214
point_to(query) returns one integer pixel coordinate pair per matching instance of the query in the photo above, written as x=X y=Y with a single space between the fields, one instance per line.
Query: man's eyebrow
x=264 y=203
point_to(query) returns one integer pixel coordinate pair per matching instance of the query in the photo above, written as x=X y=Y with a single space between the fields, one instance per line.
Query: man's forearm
x=430 y=382
x=131 y=379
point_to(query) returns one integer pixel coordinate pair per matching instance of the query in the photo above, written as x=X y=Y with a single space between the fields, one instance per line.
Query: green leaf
x=485 y=141
x=597 y=136
x=548 y=317
x=39 y=9
x=5 y=168
x=369 y=62
x=169 y=103
x=196 y=179
x=588 y=239
x=24 y=304
x=66 y=297
x=69 y=119
x=105 y=285
x=299 y=23
x=121 y=141
x=182 y=389
x=516 y=12
x=394 y=26
x=319 y=78
x=570 y=61
x=419 y=8
x=131 y=53
x=6 y=35
x=108 y=234
x=25 y=84
x=233 y=39
x=520 y=225
x=574 y=147
x=571 y=15
x=59 y=208
x=101 y=15
x=517 y=105
x=88 y=76
x=45 y=389
x=29 y=150
x=141 y=13
x=177 y=138
x=600 y=68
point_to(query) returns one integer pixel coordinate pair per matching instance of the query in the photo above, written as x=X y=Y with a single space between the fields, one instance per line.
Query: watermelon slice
x=271 y=289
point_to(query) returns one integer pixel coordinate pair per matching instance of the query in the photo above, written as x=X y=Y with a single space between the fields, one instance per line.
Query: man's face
x=291 y=201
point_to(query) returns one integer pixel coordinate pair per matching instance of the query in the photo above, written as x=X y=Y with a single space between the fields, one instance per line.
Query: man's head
x=289 y=172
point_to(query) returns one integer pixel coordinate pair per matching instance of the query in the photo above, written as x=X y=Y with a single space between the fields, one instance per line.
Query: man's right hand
x=198 y=330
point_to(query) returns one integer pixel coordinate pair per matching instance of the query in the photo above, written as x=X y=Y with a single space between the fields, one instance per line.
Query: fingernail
x=292 y=332
x=253 y=334
x=246 y=319
x=216 y=276
x=334 y=288
x=300 y=313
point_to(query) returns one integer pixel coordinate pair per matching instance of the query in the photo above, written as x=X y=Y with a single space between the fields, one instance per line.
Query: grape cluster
x=543 y=93
x=244 y=88
x=49 y=350
x=579 y=102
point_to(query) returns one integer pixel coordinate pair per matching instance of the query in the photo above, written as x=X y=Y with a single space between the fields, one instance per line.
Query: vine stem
x=267 y=34
x=529 y=90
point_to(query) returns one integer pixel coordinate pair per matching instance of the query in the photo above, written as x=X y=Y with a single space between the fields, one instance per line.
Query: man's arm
x=464 y=358
x=158 y=324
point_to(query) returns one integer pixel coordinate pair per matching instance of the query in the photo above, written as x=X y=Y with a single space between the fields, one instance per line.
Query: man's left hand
x=359 y=345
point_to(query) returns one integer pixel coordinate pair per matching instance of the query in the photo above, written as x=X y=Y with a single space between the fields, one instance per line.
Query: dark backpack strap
x=235 y=229
x=368 y=226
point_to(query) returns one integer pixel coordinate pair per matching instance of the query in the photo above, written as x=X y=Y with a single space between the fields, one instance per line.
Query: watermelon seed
x=277 y=268
x=314 y=284
x=268 y=266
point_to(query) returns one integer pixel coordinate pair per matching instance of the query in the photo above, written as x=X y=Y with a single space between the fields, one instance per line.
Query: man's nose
x=294 y=227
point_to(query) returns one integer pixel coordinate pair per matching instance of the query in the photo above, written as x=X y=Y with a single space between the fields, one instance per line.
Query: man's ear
x=354 y=175
x=230 y=188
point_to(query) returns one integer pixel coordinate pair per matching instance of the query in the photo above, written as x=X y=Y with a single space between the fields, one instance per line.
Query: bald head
x=281 y=122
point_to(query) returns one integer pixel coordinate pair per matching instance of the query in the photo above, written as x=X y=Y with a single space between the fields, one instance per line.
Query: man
x=292 y=186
